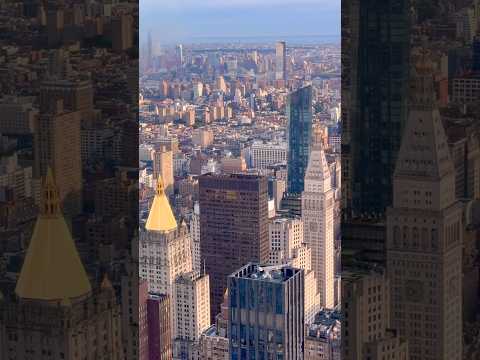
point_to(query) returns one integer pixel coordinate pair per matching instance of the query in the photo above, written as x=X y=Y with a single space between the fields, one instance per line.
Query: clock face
x=414 y=290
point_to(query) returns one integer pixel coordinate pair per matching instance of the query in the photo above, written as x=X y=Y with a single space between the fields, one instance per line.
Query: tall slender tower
x=299 y=113
x=424 y=232
x=149 y=51
x=281 y=60
x=317 y=214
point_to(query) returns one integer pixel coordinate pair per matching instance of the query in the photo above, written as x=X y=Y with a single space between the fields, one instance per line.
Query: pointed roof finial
x=50 y=205
x=160 y=186
x=161 y=217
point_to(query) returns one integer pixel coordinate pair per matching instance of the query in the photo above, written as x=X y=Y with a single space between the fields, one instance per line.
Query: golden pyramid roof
x=161 y=217
x=52 y=269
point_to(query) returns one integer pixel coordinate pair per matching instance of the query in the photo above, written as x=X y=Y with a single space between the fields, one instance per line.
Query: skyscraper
x=56 y=310
x=374 y=86
x=424 y=232
x=299 y=113
x=57 y=142
x=281 y=60
x=179 y=54
x=165 y=246
x=159 y=327
x=273 y=297
x=287 y=248
x=192 y=312
x=233 y=227
x=366 y=329
x=163 y=167
x=317 y=214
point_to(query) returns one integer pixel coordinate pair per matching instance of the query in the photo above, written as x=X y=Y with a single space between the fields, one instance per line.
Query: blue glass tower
x=299 y=113
x=266 y=313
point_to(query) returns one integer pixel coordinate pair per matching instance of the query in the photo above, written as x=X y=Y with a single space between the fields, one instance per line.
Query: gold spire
x=50 y=202
x=161 y=216
x=52 y=270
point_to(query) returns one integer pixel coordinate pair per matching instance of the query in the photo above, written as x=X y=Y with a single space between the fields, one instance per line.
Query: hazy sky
x=184 y=20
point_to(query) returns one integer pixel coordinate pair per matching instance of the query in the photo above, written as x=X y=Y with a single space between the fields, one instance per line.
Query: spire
x=424 y=150
x=50 y=205
x=161 y=217
x=424 y=163
x=317 y=176
x=52 y=269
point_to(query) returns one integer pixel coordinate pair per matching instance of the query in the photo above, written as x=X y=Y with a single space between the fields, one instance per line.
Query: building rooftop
x=277 y=273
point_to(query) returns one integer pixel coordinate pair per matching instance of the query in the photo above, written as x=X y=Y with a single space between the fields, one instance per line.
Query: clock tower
x=317 y=215
x=424 y=232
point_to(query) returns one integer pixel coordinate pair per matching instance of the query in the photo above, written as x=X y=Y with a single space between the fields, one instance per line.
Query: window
x=279 y=299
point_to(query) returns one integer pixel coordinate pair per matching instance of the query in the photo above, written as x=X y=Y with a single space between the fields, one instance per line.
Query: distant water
x=293 y=40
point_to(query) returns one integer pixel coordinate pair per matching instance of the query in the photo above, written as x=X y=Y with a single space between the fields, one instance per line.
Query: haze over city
x=193 y=21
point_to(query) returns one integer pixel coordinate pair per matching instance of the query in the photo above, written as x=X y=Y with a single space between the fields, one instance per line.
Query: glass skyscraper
x=299 y=113
x=375 y=84
x=266 y=313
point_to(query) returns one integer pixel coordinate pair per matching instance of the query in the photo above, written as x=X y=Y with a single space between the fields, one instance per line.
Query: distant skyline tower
x=233 y=227
x=281 y=60
x=299 y=114
x=318 y=217
x=179 y=55
x=149 y=51
x=425 y=232
x=273 y=296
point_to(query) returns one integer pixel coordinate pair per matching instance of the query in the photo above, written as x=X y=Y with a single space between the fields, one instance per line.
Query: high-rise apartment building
x=77 y=95
x=318 y=221
x=374 y=87
x=299 y=133
x=262 y=155
x=163 y=167
x=285 y=237
x=214 y=343
x=122 y=32
x=281 y=60
x=366 y=327
x=272 y=298
x=192 y=313
x=233 y=227
x=56 y=311
x=424 y=232
x=57 y=142
x=159 y=327
x=179 y=55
